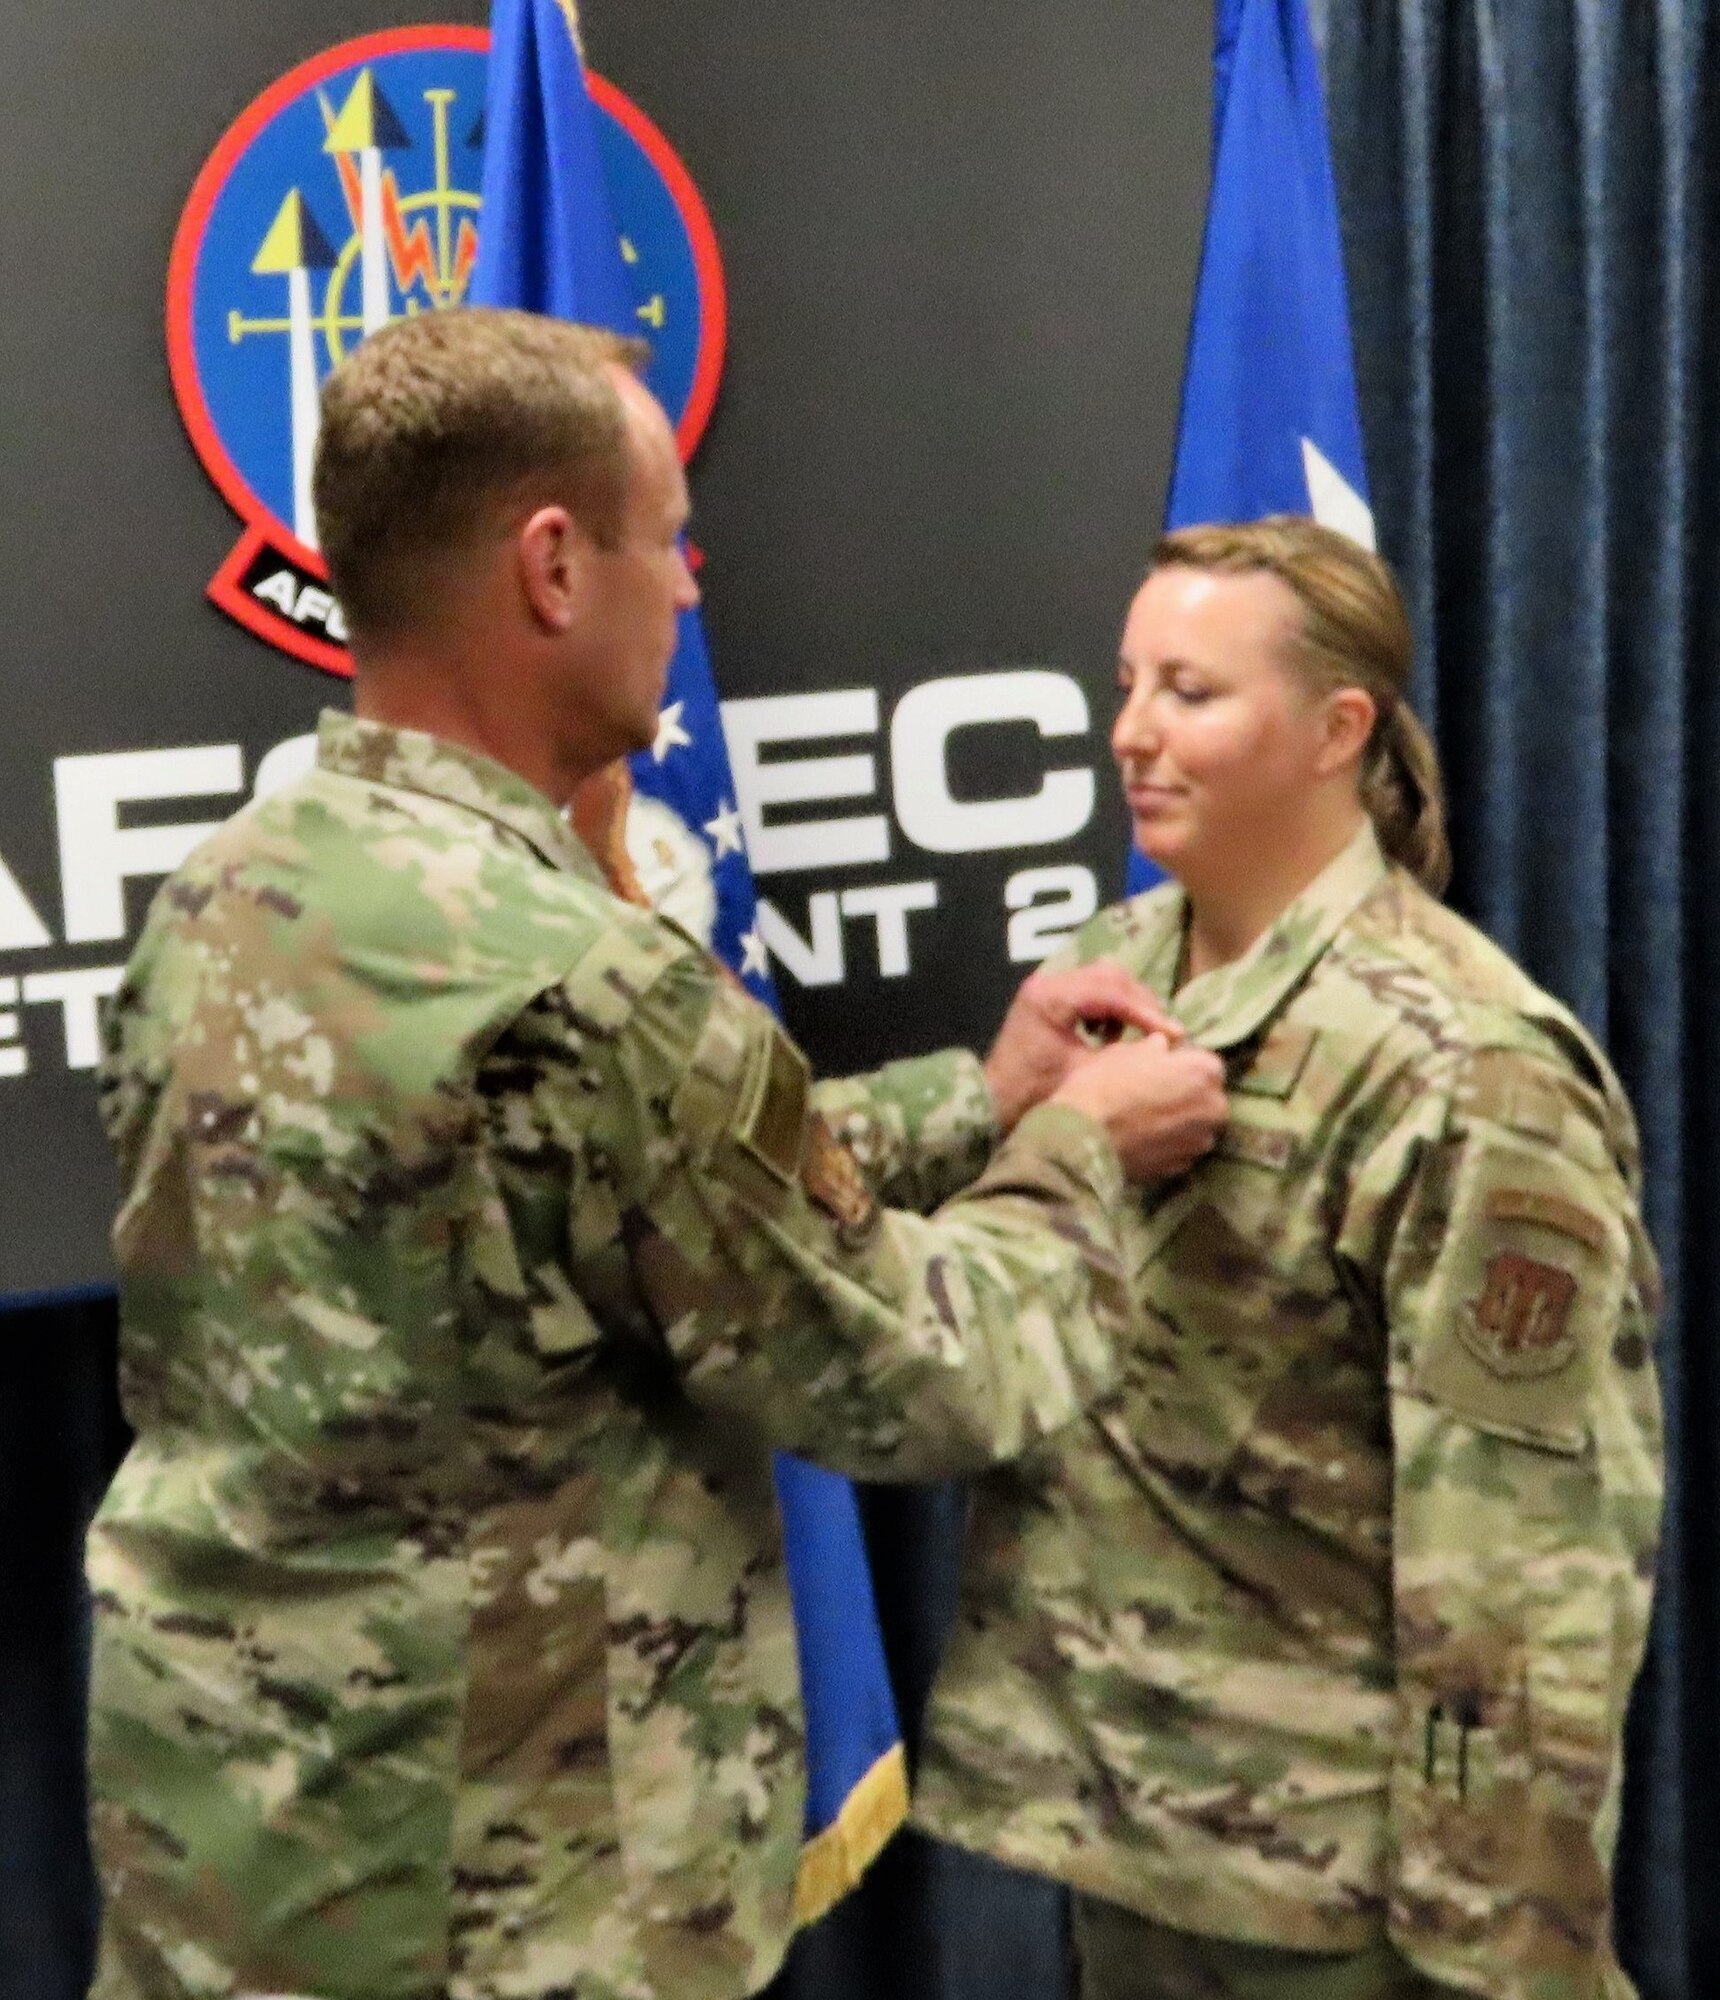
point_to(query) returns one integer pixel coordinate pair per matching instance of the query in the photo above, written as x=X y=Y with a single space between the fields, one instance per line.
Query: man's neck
x=1228 y=917
x=412 y=688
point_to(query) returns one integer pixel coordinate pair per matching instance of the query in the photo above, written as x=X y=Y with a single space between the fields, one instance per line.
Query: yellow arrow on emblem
x=354 y=127
x=283 y=249
x=366 y=121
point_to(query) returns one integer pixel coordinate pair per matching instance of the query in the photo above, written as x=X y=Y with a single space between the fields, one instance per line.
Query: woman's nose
x=1135 y=733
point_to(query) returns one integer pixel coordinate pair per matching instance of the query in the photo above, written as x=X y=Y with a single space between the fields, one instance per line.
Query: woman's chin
x=1157 y=843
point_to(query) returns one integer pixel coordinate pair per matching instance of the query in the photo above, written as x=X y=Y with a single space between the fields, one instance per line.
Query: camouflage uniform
x=1122 y=1956
x=478 y=1243
x=1321 y=1631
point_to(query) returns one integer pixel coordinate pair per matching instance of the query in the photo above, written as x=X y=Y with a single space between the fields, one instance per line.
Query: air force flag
x=1269 y=417
x=548 y=243
x=1270 y=423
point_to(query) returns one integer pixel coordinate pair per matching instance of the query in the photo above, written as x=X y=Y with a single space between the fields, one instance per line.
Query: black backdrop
x=960 y=241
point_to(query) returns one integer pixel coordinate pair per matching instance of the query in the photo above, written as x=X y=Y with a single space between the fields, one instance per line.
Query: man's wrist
x=1078 y=1141
x=1007 y=1106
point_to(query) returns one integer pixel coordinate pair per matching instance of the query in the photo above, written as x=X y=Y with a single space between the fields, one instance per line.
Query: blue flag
x=1270 y=422
x=549 y=243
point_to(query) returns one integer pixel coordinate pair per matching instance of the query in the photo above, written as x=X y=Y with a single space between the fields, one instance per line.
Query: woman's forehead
x=1183 y=610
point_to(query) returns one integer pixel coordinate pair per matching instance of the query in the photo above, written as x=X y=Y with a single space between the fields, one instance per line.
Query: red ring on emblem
x=261 y=522
x=707 y=262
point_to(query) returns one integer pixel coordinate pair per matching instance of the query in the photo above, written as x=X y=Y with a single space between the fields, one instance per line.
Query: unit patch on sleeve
x=1520 y=1323
x=834 y=1179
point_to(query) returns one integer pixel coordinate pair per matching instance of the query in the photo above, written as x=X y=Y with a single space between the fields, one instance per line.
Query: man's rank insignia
x=833 y=1178
x=1520 y=1325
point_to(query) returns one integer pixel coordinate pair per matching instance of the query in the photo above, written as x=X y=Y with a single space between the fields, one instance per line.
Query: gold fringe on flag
x=832 y=1862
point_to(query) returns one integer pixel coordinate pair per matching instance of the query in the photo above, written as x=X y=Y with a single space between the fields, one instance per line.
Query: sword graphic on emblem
x=365 y=127
x=293 y=248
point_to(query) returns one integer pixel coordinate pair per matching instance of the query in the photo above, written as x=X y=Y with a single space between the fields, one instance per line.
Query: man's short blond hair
x=440 y=425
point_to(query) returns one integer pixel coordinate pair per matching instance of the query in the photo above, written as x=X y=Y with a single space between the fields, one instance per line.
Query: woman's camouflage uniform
x=478 y=1242
x=1323 y=1628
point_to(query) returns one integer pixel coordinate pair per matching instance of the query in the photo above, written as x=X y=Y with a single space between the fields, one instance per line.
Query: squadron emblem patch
x=834 y=1179
x=1520 y=1325
x=345 y=196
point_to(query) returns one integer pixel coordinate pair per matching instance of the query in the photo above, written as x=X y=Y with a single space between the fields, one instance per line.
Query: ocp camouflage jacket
x=1325 y=1624
x=479 y=1241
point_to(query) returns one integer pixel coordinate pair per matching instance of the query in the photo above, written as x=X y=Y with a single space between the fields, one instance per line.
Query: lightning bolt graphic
x=465 y=255
x=412 y=256
x=410 y=252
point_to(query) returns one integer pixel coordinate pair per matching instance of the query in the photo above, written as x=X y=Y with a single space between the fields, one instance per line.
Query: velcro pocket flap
x=1277 y=1065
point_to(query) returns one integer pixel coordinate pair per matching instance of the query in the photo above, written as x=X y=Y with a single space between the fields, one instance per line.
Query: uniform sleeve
x=881 y=1343
x=920 y=1130
x=923 y=1129
x=1517 y=1289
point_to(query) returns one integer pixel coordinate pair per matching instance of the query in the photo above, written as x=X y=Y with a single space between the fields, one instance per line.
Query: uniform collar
x=415 y=762
x=1225 y=1006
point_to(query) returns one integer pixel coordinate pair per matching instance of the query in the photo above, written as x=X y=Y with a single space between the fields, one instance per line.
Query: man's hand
x=1041 y=1040
x=1162 y=1106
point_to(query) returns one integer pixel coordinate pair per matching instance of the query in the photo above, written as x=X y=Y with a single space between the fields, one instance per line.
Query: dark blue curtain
x=1531 y=204
x=60 y=1438
x=1531 y=199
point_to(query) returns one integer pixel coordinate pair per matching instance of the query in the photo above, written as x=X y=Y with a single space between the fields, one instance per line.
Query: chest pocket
x=1231 y=1269
x=1263 y=1128
x=1277 y=1066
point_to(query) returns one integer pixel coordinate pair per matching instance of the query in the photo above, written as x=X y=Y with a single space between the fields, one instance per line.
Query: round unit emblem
x=345 y=196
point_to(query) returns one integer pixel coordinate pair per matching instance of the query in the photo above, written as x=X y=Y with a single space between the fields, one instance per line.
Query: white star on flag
x=1335 y=502
x=670 y=734
x=725 y=830
x=753 y=957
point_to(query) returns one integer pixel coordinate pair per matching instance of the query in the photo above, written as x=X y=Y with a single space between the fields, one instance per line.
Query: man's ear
x=550 y=547
x=1350 y=717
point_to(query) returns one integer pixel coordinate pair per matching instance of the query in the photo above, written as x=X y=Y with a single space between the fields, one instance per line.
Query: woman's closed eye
x=1190 y=691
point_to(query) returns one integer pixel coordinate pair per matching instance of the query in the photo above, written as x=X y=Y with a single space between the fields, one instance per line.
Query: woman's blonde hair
x=1355 y=633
